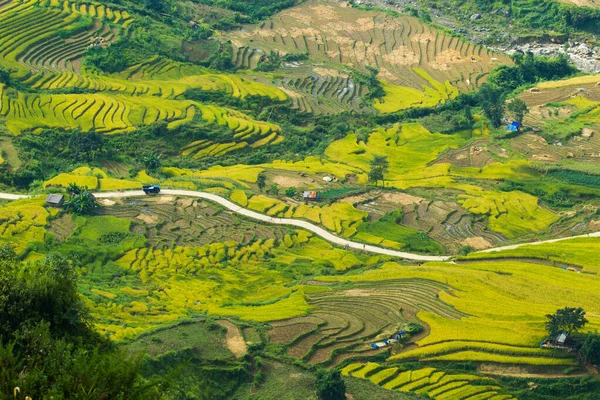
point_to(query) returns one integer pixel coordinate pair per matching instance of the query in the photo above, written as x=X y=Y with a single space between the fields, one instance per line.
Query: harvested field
x=338 y=35
x=444 y=221
x=62 y=227
x=168 y=222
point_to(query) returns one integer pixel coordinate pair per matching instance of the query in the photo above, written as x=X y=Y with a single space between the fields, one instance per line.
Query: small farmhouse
x=310 y=195
x=55 y=200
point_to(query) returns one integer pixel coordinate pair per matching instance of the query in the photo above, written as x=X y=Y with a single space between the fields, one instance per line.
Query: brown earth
x=233 y=339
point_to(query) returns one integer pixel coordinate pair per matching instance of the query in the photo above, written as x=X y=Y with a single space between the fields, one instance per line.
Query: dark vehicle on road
x=151 y=189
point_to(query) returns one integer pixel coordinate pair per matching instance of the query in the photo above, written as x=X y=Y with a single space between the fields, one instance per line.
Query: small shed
x=55 y=200
x=310 y=195
x=328 y=179
x=561 y=338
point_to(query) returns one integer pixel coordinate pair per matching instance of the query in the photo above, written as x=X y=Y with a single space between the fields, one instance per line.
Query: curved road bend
x=280 y=221
x=301 y=224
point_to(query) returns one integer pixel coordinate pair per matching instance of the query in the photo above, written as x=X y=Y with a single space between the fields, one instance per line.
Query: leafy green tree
x=379 y=167
x=590 y=350
x=151 y=161
x=261 y=181
x=290 y=192
x=86 y=146
x=47 y=346
x=83 y=203
x=4 y=76
x=518 y=109
x=568 y=319
x=274 y=189
x=74 y=188
x=44 y=291
x=491 y=99
x=330 y=385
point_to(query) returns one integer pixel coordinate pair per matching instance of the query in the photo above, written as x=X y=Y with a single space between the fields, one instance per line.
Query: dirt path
x=233 y=339
x=300 y=224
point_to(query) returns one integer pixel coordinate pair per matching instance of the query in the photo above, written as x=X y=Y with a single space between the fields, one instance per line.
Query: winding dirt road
x=298 y=223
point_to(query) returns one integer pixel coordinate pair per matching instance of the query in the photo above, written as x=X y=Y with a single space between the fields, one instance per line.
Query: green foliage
x=85 y=146
x=44 y=368
x=330 y=385
x=379 y=166
x=491 y=100
x=369 y=79
x=47 y=348
x=449 y=121
x=590 y=350
x=4 y=76
x=83 y=203
x=41 y=292
x=529 y=69
x=576 y=178
x=151 y=161
x=290 y=192
x=261 y=182
x=253 y=10
x=518 y=109
x=191 y=377
x=568 y=319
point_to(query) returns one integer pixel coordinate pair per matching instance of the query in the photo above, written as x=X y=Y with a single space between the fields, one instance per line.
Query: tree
x=274 y=189
x=261 y=181
x=47 y=346
x=491 y=99
x=4 y=76
x=82 y=203
x=379 y=167
x=590 y=350
x=74 y=188
x=151 y=161
x=290 y=192
x=44 y=291
x=86 y=146
x=518 y=109
x=330 y=385
x=568 y=319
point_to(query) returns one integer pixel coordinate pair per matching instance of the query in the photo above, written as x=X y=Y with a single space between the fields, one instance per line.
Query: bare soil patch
x=477 y=242
x=358 y=293
x=148 y=219
x=233 y=339
x=403 y=199
x=522 y=372
x=300 y=182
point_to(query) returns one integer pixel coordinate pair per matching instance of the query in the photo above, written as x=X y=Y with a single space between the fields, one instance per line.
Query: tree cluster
x=47 y=346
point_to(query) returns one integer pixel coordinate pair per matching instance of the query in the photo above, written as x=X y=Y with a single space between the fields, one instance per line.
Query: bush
x=330 y=385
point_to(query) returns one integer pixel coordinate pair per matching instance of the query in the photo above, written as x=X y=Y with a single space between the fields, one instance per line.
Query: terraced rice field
x=22 y=223
x=429 y=382
x=337 y=35
x=44 y=42
x=503 y=306
x=168 y=223
x=327 y=94
x=559 y=91
x=32 y=32
x=346 y=321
